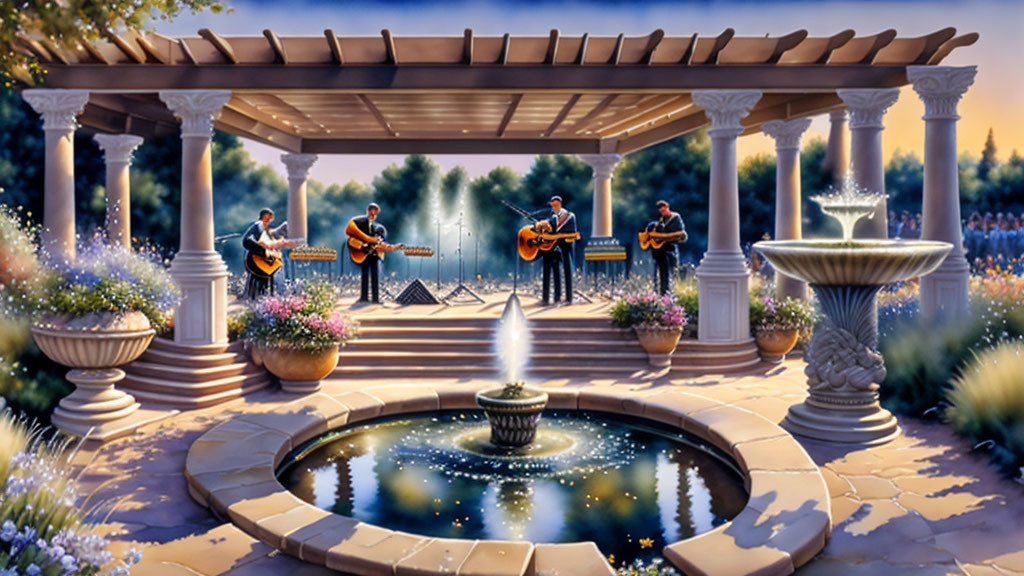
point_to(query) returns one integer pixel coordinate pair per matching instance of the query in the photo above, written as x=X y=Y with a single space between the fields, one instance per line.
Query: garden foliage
x=302 y=317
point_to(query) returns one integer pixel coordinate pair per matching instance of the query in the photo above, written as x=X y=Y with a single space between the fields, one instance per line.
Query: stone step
x=423 y=321
x=188 y=373
x=416 y=332
x=183 y=389
x=460 y=371
x=196 y=402
x=170 y=346
x=158 y=356
x=414 y=345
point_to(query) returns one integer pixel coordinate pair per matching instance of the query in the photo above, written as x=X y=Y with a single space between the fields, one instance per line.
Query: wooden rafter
x=467 y=47
x=652 y=44
x=949 y=46
x=561 y=115
x=834 y=42
x=652 y=114
x=617 y=51
x=377 y=114
x=785 y=44
x=583 y=123
x=687 y=57
x=932 y=43
x=127 y=49
x=627 y=119
x=188 y=51
x=235 y=122
x=881 y=40
x=332 y=42
x=222 y=45
x=148 y=47
x=260 y=116
x=662 y=133
x=459 y=145
x=94 y=52
x=56 y=51
x=552 y=47
x=506 y=44
x=507 y=118
x=389 y=46
x=276 y=45
x=35 y=48
x=720 y=43
x=581 y=56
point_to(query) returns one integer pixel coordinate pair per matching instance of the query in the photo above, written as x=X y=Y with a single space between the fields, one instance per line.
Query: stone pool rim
x=231 y=469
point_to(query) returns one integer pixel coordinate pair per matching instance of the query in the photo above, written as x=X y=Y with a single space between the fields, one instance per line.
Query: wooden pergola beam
x=234 y=122
x=187 y=51
x=952 y=44
x=552 y=47
x=687 y=57
x=467 y=47
x=506 y=43
x=882 y=39
x=652 y=44
x=627 y=119
x=94 y=52
x=127 y=49
x=668 y=109
x=617 y=50
x=376 y=114
x=453 y=146
x=56 y=51
x=721 y=41
x=661 y=134
x=834 y=43
x=332 y=42
x=507 y=118
x=276 y=45
x=389 y=46
x=582 y=124
x=34 y=47
x=222 y=45
x=561 y=116
x=581 y=56
x=257 y=115
x=785 y=44
x=932 y=43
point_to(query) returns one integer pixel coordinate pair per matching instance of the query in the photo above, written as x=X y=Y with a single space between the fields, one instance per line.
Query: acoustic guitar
x=359 y=250
x=658 y=239
x=532 y=242
x=265 y=266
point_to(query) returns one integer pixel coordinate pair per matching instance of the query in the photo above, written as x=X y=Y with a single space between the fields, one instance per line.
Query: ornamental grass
x=42 y=532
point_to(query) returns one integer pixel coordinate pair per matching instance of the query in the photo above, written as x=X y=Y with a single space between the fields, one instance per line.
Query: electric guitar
x=658 y=239
x=265 y=266
x=531 y=242
x=359 y=250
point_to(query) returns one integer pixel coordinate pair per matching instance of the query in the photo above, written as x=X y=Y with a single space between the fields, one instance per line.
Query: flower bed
x=303 y=317
x=648 y=310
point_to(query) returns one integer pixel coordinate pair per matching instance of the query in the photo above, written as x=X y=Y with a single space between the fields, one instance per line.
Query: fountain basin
x=858 y=262
x=513 y=420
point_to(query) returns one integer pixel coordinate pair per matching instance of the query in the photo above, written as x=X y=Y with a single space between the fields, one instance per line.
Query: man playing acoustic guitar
x=561 y=222
x=366 y=229
x=662 y=235
x=255 y=241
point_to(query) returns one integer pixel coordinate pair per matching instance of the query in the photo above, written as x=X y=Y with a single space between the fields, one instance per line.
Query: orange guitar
x=532 y=241
x=658 y=239
x=265 y=266
x=359 y=250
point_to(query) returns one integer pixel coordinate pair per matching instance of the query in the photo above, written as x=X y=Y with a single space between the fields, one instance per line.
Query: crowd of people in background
x=995 y=241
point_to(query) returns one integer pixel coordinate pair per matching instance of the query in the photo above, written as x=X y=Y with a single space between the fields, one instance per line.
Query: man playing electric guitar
x=561 y=221
x=261 y=261
x=662 y=235
x=366 y=229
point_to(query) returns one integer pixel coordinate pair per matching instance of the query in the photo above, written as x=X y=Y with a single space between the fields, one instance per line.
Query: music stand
x=461 y=290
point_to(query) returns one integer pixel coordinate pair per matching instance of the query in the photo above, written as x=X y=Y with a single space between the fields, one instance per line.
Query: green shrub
x=987 y=402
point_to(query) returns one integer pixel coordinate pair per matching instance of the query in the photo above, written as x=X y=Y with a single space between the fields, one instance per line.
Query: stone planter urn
x=299 y=371
x=659 y=343
x=93 y=347
x=513 y=412
x=773 y=345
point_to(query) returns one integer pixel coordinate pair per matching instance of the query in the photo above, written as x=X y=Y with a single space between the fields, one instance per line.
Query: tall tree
x=756 y=178
x=989 y=161
x=904 y=182
x=498 y=225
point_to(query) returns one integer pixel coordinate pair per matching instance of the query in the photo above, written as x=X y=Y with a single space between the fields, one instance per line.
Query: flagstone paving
x=923 y=504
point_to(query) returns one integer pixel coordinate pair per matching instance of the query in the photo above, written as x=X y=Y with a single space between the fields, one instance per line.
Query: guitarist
x=666 y=258
x=366 y=228
x=561 y=221
x=258 y=282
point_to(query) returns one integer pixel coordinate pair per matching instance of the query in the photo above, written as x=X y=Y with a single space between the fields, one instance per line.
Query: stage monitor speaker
x=416 y=293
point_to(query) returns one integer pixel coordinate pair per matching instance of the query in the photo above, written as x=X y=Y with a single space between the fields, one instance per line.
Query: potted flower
x=777 y=325
x=657 y=321
x=297 y=333
x=94 y=314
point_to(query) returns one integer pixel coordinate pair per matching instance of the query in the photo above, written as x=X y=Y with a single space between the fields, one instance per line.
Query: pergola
x=600 y=97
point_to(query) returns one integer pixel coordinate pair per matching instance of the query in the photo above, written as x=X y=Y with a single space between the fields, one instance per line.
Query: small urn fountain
x=844 y=368
x=513 y=412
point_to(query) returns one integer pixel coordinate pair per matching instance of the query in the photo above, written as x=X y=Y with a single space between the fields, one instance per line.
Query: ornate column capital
x=725 y=108
x=57 y=107
x=867 y=106
x=787 y=133
x=941 y=87
x=837 y=116
x=603 y=164
x=298 y=165
x=197 y=109
x=118 y=148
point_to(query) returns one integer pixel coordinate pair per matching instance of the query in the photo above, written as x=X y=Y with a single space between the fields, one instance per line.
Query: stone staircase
x=453 y=347
x=192 y=377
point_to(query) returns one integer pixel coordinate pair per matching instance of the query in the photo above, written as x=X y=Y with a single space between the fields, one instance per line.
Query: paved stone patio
x=921 y=505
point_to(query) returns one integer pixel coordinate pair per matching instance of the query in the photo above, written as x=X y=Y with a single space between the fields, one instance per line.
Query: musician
x=561 y=221
x=258 y=283
x=666 y=258
x=368 y=230
x=551 y=261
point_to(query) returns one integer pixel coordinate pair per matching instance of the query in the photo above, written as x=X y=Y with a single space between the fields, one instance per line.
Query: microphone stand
x=461 y=289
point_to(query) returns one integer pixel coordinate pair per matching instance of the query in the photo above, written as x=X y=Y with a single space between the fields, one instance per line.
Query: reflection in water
x=630 y=490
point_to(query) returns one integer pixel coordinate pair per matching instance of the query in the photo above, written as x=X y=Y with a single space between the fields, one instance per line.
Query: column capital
x=838 y=115
x=941 y=87
x=603 y=164
x=118 y=148
x=298 y=165
x=197 y=109
x=725 y=108
x=787 y=133
x=57 y=107
x=867 y=106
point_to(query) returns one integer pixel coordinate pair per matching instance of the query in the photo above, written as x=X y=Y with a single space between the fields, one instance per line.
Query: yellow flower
x=611 y=559
x=646 y=543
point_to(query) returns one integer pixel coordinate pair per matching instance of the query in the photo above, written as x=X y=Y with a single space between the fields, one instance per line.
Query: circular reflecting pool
x=625 y=484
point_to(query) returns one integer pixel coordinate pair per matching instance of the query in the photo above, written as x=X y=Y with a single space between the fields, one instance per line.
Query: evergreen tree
x=988 y=160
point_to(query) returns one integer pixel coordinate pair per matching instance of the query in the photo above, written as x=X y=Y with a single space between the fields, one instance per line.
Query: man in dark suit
x=563 y=221
x=258 y=282
x=666 y=258
x=368 y=230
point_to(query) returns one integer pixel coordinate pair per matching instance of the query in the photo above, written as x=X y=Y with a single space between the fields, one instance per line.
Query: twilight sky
x=996 y=100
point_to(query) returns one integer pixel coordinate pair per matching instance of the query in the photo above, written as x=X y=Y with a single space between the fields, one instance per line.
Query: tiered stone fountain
x=844 y=367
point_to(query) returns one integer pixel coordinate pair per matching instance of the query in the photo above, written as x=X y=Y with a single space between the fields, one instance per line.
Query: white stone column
x=58 y=109
x=787 y=135
x=604 y=166
x=298 y=166
x=837 y=151
x=867 y=107
x=117 y=152
x=941 y=87
x=199 y=270
x=723 y=277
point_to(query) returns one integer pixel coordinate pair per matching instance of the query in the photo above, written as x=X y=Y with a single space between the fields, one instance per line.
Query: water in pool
x=627 y=487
